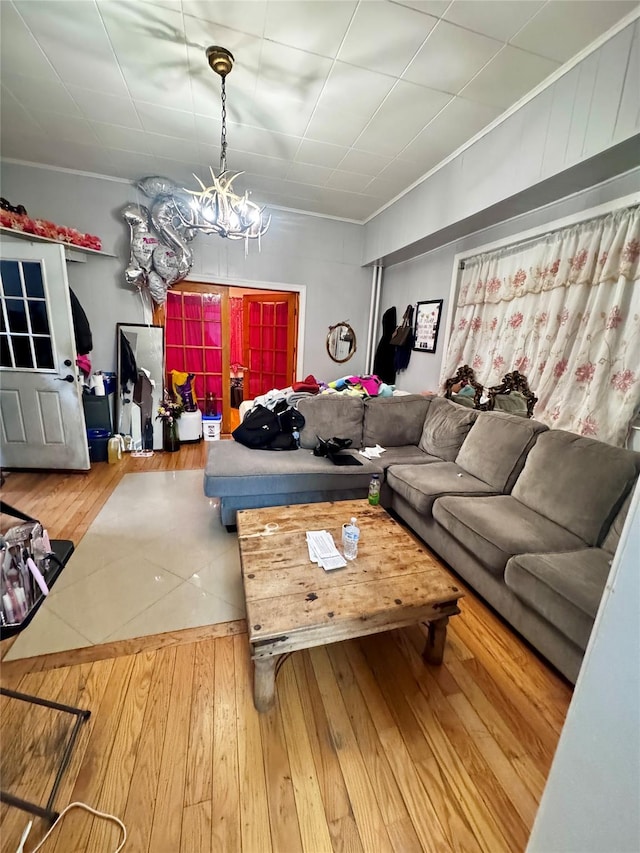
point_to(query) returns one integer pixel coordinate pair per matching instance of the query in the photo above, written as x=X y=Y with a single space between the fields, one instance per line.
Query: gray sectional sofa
x=529 y=517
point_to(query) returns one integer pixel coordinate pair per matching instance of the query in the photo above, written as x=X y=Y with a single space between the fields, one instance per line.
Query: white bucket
x=211 y=428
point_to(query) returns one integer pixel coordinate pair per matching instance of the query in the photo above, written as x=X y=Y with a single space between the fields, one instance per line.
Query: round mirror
x=341 y=342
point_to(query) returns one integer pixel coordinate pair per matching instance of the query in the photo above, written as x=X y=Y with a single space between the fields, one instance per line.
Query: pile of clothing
x=352 y=386
x=368 y=385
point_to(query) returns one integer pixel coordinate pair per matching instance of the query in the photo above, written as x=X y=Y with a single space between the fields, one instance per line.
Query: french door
x=196 y=317
x=198 y=339
x=41 y=416
x=269 y=335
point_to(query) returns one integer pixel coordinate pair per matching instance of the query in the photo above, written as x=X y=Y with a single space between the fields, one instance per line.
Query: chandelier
x=218 y=209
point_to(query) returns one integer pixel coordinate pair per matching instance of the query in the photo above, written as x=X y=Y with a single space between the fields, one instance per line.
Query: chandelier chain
x=217 y=208
x=223 y=136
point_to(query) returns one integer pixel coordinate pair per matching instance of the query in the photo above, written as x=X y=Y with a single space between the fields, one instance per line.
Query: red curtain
x=193 y=334
x=235 y=323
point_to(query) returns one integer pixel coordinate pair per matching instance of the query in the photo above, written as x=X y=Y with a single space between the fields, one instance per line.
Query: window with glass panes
x=25 y=330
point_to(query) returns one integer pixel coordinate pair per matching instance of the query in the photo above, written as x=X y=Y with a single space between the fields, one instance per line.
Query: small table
x=293 y=604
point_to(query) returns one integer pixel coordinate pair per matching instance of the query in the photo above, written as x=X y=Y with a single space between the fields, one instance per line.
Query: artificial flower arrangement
x=168 y=410
x=43 y=228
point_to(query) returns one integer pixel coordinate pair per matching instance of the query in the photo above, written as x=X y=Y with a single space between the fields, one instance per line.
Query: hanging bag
x=403 y=335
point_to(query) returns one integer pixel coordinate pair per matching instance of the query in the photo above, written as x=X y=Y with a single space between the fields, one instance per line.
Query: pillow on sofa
x=331 y=415
x=515 y=403
x=394 y=421
x=463 y=400
x=445 y=428
x=577 y=482
x=496 y=447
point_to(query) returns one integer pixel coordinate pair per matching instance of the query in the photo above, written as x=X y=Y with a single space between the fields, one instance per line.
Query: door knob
x=67 y=378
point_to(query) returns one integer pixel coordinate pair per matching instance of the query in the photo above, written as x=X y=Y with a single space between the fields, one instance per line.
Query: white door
x=41 y=416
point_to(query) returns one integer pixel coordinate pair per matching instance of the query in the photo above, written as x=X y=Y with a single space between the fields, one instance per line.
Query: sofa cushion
x=394 y=421
x=493 y=529
x=565 y=589
x=420 y=486
x=233 y=469
x=612 y=539
x=331 y=415
x=578 y=482
x=445 y=428
x=496 y=447
x=407 y=455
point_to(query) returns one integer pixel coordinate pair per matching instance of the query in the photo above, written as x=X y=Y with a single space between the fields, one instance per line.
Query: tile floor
x=156 y=558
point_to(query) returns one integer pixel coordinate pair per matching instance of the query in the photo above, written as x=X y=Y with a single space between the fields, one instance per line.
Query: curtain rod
x=540 y=237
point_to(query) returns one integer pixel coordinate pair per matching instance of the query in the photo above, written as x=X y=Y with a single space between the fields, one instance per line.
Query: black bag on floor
x=266 y=429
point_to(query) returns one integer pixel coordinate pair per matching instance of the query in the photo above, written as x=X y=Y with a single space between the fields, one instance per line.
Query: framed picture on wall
x=427 y=325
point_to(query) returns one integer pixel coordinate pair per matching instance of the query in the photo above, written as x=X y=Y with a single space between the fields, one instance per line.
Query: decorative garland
x=17 y=219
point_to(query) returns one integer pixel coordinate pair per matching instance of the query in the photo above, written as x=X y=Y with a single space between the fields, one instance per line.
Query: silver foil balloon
x=143 y=242
x=160 y=255
x=157 y=288
x=156 y=185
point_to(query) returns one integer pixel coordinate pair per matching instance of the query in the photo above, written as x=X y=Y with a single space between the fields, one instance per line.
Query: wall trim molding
x=132 y=183
x=47 y=167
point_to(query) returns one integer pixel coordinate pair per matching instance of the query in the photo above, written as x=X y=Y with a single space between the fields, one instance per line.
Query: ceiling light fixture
x=217 y=209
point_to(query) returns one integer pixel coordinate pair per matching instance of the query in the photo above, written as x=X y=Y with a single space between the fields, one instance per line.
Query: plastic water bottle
x=374 y=490
x=350 y=538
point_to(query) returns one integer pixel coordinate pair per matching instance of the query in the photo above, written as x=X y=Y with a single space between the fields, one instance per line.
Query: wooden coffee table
x=293 y=604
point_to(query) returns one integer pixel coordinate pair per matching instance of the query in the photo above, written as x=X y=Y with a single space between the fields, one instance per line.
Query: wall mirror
x=140 y=381
x=341 y=342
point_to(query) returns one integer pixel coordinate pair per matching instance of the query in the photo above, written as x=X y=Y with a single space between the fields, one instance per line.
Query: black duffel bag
x=267 y=429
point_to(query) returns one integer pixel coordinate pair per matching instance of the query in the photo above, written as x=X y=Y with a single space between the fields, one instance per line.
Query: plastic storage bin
x=190 y=426
x=98 y=441
x=211 y=427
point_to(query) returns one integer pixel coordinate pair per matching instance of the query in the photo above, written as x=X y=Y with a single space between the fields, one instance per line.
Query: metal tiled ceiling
x=335 y=106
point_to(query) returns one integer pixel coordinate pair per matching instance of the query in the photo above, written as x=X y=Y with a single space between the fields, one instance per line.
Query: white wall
x=429 y=276
x=322 y=254
x=591 y=803
x=590 y=109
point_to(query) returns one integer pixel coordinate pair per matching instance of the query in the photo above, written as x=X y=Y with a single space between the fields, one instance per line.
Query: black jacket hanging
x=383 y=363
x=403 y=338
x=128 y=366
x=81 y=327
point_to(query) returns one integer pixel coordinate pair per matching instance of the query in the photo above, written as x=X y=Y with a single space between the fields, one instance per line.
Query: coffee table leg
x=437 y=634
x=264 y=682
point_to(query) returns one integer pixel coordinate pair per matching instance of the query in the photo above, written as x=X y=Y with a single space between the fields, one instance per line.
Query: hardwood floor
x=367 y=748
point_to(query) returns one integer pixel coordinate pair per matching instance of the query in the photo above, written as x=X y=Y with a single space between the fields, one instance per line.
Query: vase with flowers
x=168 y=412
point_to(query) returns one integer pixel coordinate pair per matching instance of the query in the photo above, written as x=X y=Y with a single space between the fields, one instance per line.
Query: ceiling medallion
x=218 y=209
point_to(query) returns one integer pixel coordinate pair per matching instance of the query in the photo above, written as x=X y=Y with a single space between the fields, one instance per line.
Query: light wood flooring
x=367 y=749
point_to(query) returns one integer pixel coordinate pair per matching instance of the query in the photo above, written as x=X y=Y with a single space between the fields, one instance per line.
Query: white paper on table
x=323 y=551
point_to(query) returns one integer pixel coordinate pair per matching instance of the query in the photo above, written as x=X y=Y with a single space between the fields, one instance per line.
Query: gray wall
x=590 y=803
x=429 y=276
x=593 y=107
x=322 y=254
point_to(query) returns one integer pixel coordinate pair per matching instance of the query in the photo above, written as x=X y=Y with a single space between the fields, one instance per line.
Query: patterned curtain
x=564 y=310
